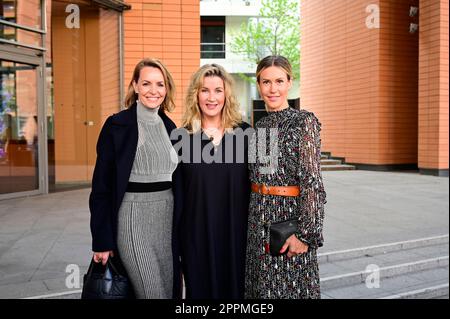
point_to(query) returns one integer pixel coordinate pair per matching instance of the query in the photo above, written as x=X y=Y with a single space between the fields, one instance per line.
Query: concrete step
x=342 y=269
x=339 y=264
x=408 y=269
x=435 y=292
x=425 y=284
x=382 y=248
x=330 y=162
x=73 y=294
x=323 y=156
x=341 y=167
x=360 y=277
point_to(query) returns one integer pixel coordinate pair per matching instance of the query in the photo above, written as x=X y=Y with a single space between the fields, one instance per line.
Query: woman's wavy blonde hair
x=192 y=118
x=168 y=104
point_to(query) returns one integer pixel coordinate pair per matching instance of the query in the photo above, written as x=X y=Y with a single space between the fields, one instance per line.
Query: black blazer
x=116 y=149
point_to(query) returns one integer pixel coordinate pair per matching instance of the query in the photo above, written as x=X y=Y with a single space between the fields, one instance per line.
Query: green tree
x=275 y=32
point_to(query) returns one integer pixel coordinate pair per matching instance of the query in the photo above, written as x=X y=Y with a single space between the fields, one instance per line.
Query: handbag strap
x=91 y=267
x=112 y=266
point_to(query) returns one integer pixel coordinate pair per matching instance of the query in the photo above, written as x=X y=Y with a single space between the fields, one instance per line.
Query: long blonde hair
x=192 y=118
x=168 y=104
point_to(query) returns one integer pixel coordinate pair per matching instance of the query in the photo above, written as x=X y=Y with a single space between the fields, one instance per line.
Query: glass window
x=18 y=127
x=212 y=38
x=24 y=12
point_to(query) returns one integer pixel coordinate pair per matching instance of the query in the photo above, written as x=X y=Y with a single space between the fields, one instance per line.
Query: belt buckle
x=265 y=189
x=260 y=188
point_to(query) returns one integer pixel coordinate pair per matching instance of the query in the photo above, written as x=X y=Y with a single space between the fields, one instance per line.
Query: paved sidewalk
x=41 y=236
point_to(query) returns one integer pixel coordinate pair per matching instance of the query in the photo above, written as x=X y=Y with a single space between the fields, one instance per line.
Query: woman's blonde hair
x=168 y=104
x=231 y=117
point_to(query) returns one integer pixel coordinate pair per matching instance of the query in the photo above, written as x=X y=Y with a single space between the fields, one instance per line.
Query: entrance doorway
x=85 y=65
x=75 y=61
x=21 y=145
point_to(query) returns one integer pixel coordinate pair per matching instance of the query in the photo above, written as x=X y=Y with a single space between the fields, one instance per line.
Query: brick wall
x=109 y=62
x=168 y=30
x=361 y=82
x=433 y=85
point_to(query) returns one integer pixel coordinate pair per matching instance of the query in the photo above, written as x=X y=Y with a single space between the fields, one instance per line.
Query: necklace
x=214 y=134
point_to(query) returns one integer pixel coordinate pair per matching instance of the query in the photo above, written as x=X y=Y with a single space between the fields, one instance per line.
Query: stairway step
x=423 y=284
x=358 y=264
x=73 y=294
x=358 y=277
x=341 y=167
x=424 y=293
x=330 y=162
x=382 y=249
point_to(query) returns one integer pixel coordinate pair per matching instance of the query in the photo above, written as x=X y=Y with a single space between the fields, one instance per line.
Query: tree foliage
x=275 y=32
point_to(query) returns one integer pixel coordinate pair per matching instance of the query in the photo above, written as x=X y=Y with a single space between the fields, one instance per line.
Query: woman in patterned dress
x=288 y=187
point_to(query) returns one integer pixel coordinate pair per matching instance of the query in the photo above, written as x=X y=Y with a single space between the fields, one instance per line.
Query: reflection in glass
x=18 y=128
x=212 y=38
x=23 y=12
x=21 y=36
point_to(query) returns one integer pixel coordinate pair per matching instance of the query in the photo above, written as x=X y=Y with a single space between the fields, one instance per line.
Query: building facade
x=376 y=74
x=65 y=67
x=220 y=22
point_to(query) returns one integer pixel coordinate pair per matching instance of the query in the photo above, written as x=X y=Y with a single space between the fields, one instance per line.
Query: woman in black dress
x=288 y=186
x=212 y=219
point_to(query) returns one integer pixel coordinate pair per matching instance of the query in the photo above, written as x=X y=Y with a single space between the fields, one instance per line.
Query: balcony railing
x=212 y=50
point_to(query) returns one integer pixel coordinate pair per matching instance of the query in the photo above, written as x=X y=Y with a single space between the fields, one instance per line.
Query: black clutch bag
x=278 y=234
x=107 y=282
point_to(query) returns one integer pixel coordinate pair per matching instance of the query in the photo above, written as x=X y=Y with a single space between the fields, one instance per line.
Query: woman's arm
x=101 y=199
x=313 y=196
x=177 y=182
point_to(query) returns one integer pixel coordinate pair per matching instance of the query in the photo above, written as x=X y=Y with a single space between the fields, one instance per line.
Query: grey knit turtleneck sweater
x=155 y=159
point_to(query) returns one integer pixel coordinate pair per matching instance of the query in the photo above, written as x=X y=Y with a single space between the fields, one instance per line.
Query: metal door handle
x=89 y=123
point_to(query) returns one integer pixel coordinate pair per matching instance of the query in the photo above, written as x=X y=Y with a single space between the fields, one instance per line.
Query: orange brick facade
x=433 y=85
x=366 y=83
x=168 y=30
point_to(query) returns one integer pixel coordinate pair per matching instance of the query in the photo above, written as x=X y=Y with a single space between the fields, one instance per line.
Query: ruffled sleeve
x=313 y=196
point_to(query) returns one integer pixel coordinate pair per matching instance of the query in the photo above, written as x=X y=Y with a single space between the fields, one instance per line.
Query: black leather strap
x=133 y=187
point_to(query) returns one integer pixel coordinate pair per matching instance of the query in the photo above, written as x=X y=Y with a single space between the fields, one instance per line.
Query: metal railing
x=212 y=50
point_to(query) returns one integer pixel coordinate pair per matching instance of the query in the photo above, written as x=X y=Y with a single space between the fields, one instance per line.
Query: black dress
x=213 y=222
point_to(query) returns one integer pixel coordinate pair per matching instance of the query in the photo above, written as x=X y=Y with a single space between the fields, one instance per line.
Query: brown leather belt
x=276 y=190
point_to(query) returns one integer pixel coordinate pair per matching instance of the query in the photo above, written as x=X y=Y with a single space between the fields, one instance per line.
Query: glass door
x=19 y=133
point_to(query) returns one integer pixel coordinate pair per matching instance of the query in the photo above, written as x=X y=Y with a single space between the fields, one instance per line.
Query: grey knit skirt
x=144 y=242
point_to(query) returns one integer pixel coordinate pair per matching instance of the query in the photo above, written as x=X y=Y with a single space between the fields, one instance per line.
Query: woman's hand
x=102 y=256
x=295 y=247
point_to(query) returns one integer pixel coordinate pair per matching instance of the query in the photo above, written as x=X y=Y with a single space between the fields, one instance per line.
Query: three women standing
x=288 y=187
x=132 y=205
x=131 y=202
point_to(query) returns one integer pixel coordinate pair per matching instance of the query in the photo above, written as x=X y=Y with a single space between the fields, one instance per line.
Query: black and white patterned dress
x=298 y=160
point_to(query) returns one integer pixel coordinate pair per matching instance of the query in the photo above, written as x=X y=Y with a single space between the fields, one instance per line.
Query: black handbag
x=278 y=234
x=108 y=281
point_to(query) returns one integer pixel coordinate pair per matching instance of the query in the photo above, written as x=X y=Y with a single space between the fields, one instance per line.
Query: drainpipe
x=121 y=80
